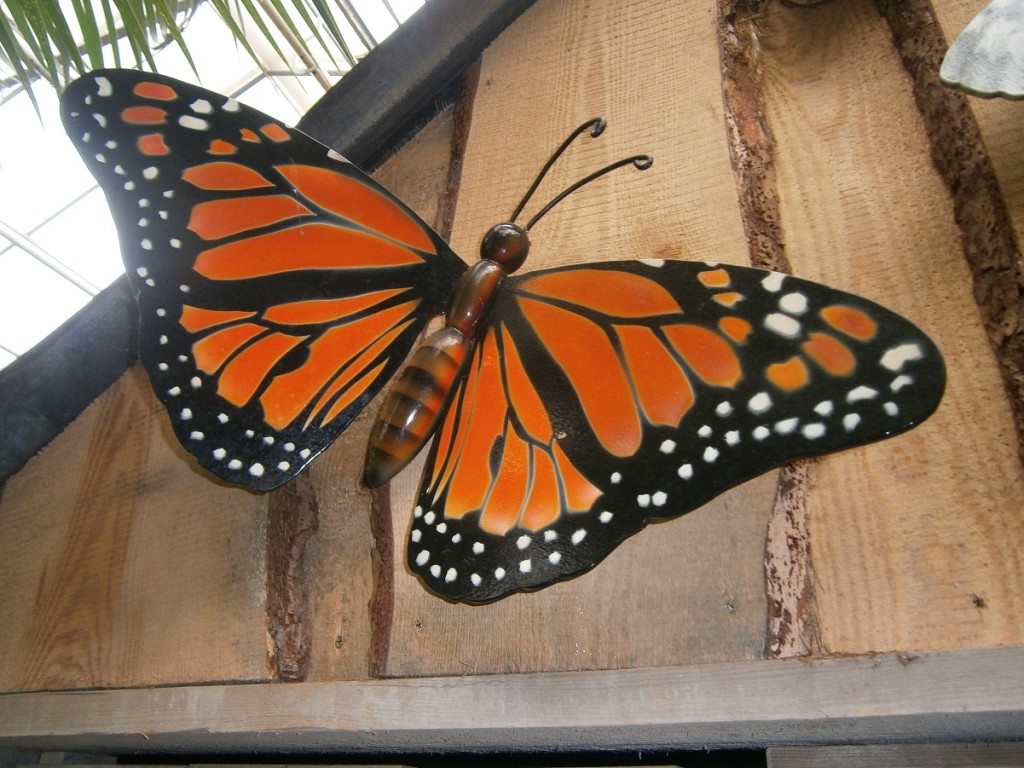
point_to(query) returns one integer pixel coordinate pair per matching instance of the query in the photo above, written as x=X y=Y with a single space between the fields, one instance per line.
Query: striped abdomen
x=413 y=406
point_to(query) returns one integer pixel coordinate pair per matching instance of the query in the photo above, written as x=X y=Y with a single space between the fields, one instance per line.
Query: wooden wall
x=814 y=139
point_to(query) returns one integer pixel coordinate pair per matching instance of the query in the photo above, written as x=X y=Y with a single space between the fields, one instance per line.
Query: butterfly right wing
x=279 y=287
x=605 y=396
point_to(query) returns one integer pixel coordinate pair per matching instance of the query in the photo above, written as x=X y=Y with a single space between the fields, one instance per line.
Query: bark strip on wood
x=788 y=575
x=958 y=151
x=293 y=519
x=383 y=600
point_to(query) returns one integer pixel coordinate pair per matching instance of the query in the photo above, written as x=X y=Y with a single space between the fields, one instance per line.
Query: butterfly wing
x=279 y=287
x=603 y=397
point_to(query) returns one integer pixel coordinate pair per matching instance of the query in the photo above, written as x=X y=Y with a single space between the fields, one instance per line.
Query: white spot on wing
x=773 y=281
x=105 y=88
x=759 y=403
x=783 y=325
x=793 y=303
x=786 y=426
x=813 y=431
x=861 y=393
x=900 y=382
x=193 y=123
x=894 y=358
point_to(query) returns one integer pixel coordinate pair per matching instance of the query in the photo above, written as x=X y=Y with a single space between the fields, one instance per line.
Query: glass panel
x=84 y=238
x=33 y=300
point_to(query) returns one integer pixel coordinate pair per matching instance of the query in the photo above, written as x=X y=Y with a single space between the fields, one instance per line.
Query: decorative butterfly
x=280 y=289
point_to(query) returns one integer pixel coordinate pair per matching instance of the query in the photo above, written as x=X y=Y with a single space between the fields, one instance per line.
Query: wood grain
x=985 y=755
x=907 y=533
x=690 y=590
x=121 y=565
x=956 y=695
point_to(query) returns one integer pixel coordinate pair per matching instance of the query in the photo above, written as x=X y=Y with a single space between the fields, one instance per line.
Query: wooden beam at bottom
x=950 y=695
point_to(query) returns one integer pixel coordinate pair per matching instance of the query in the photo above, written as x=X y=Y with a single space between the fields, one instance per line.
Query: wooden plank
x=915 y=541
x=687 y=591
x=903 y=755
x=122 y=565
x=959 y=695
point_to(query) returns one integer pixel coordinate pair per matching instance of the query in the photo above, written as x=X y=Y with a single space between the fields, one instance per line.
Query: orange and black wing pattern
x=279 y=287
x=604 y=396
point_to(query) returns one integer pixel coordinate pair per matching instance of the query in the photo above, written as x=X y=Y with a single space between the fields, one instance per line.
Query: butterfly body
x=280 y=289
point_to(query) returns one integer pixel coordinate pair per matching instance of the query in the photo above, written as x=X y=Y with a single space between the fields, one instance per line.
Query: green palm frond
x=58 y=40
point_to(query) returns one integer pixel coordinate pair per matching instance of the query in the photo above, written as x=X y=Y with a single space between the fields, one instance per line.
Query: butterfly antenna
x=596 y=127
x=641 y=162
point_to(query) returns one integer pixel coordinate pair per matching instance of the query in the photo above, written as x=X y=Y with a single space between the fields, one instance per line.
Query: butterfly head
x=507 y=245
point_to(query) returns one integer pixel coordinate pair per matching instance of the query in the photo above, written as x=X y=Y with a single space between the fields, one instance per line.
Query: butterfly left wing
x=603 y=397
x=279 y=287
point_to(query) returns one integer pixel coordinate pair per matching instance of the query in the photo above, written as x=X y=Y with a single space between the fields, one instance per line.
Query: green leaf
x=15 y=55
x=93 y=43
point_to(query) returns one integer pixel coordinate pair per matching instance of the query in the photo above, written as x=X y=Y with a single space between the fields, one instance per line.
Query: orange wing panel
x=224 y=176
x=211 y=352
x=153 y=144
x=850 y=321
x=144 y=116
x=523 y=395
x=788 y=376
x=359 y=364
x=326 y=310
x=618 y=294
x=830 y=353
x=216 y=219
x=349 y=198
x=195 y=319
x=159 y=91
x=707 y=353
x=289 y=393
x=661 y=385
x=580 y=493
x=314 y=246
x=471 y=477
x=508 y=493
x=586 y=355
x=244 y=374
x=543 y=505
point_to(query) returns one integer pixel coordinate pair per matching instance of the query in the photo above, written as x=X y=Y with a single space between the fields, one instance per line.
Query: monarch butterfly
x=280 y=289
